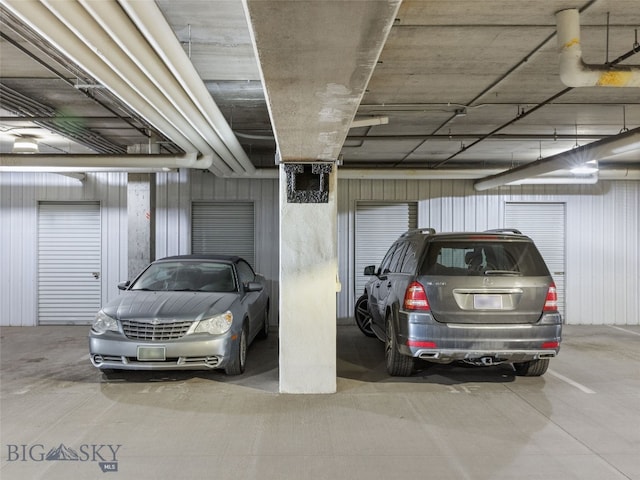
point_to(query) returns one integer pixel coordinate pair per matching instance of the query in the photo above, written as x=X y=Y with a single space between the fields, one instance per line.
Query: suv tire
x=363 y=317
x=398 y=365
x=533 y=368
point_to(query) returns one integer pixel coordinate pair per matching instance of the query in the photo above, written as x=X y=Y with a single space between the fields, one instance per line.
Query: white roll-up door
x=378 y=225
x=223 y=228
x=69 y=262
x=545 y=224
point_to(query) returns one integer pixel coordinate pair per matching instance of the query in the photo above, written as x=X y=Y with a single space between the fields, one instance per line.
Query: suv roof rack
x=504 y=230
x=428 y=230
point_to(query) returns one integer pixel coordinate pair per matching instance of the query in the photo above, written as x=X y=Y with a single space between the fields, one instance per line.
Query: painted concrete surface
x=579 y=421
x=308 y=273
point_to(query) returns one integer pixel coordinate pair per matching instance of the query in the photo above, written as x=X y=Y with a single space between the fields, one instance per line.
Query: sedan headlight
x=103 y=323
x=216 y=325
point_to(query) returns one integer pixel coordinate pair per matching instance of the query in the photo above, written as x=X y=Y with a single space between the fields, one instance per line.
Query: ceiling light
x=25 y=145
x=587 y=168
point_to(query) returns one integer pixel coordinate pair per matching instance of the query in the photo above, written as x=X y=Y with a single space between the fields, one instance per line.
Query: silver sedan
x=183 y=313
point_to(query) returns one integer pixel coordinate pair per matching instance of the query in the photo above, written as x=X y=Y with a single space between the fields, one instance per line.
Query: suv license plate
x=487 y=302
x=151 y=353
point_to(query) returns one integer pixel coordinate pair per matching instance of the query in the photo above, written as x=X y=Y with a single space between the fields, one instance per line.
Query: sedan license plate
x=487 y=302
x=151 y=353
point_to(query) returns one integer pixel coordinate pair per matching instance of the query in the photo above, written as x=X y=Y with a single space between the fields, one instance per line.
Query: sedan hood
x=168 y=305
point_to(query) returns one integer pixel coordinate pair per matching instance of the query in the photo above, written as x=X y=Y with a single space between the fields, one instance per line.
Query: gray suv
x=482 y=298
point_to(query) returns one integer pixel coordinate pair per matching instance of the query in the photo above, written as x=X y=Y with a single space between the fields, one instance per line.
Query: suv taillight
x=551 y=302
x=415 y=298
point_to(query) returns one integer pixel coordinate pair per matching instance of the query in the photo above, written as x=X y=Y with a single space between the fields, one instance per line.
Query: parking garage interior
x=306 y=136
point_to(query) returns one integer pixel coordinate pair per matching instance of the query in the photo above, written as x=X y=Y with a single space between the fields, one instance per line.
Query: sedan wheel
x=264 y=331
x=363 y=317
x=236 y=366
x=398 y=365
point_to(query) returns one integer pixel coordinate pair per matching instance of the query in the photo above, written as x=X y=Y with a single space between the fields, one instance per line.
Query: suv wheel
x=363 y=317
x=398 y=365
x=533 y=368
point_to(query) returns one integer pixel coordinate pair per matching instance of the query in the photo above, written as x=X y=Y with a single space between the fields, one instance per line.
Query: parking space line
x=623 y=330
x=573 y=383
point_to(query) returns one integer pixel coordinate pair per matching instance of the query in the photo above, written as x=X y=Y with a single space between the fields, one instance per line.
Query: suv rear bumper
x=420 y=336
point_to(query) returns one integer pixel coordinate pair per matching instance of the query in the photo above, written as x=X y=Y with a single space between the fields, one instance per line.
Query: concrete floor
x=580 y=421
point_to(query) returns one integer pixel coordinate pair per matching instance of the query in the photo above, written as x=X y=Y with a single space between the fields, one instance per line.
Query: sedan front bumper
x=113 y=350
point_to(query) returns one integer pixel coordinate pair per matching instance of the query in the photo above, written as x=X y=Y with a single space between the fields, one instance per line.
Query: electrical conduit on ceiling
x=106 y=51
x=102 y=56
x=574 y=72
x=43 y=21
x=115 y=21
x=149 y=20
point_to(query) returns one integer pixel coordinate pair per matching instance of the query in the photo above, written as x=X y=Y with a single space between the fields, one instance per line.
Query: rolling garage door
x=223 y=228
x=69 y=262
x=378 y=225
x=545 y=224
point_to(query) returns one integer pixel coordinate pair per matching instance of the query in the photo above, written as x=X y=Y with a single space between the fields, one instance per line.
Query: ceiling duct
x=608 y=147
x=574 y=72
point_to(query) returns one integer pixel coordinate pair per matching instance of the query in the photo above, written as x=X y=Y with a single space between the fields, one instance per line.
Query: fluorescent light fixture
x=25 y=145
x=586 y=168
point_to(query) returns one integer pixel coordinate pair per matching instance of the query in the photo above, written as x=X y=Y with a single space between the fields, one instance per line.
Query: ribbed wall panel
x=603 y=231
x=20 y=194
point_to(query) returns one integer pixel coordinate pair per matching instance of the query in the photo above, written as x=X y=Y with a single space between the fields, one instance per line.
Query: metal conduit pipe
x=149 y=20
x=43 y=21
x=111 y=17
x=598 y=150
x=88 y=163
x=106 y=51
x=574 y=72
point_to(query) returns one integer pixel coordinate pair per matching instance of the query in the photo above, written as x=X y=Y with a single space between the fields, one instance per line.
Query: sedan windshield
x=187 y=276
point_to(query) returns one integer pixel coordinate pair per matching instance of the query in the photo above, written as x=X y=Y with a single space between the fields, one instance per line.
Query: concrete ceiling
x=459 y=84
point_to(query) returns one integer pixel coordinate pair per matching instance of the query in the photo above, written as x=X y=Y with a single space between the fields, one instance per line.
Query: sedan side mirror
x=370 y=270
x=124 y=285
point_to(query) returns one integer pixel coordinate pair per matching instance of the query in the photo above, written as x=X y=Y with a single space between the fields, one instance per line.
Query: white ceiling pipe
x=43 y=21
x=574 y=72
x=598 y=150
x=111 y=17
x=149 y=19
x=83 y=163
x=450 y=174
x=99 y=42
x=369 y=122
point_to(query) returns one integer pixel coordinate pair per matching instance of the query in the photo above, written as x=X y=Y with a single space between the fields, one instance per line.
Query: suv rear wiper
x=503 y=272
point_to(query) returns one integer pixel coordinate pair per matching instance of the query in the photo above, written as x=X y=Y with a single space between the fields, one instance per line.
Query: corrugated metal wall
x=19 y=197
x=603 y=231
x=603 y=234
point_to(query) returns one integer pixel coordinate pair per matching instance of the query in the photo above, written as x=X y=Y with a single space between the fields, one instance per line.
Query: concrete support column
x=141 y=207
x=308 y=284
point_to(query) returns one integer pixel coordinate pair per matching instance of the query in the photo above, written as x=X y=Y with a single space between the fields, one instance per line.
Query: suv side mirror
x=253 y=286
x=124 y=285
x=370 y=270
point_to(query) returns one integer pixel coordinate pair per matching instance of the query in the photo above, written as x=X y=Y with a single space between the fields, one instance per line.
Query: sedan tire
x=264 y=330
x=237 y=364
x=363 y=317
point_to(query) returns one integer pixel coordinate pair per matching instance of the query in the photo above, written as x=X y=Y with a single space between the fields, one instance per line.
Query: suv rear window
x=467 y=257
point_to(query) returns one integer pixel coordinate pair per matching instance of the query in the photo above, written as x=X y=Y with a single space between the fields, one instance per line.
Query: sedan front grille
x=140 y=330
